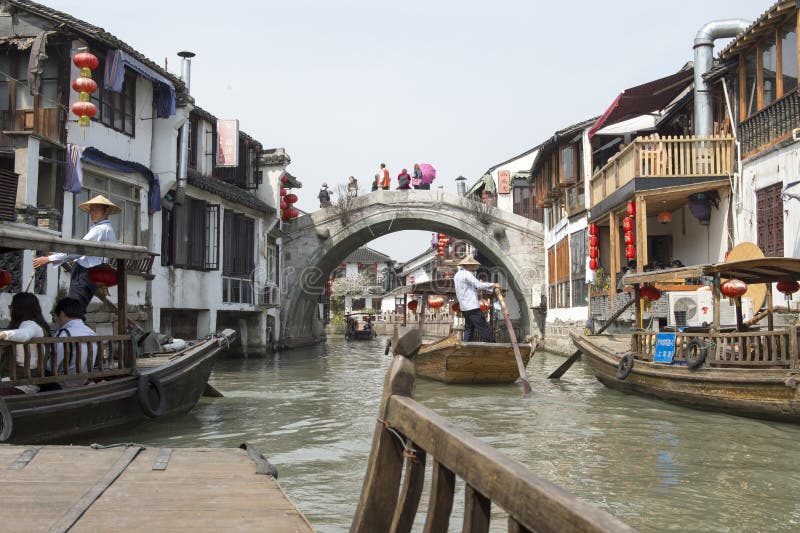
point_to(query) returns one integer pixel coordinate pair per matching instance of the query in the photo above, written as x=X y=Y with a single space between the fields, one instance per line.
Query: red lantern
x=648 y=292
x=283 y=191
x=284 y=178
x=284 y=205
x=630 y=209
x=290 y=198
x=788 y=288
x=664 y=217
x=412 y=305
x=5 y=279
x=435 y=302
x=592 y=264
x=441 y=253
x=84 y=85
x=629 y=238
x=289 y=213
x=84 y=111
x=630 y=251
x=593 y=253
x=85 y=60
x=592 y=229
x=485 y=305
x=442 y=236
x=593 y=241
x=103 y=275
x=627 y=224
x=329 y=292
x=733 y=288
x=455 y=308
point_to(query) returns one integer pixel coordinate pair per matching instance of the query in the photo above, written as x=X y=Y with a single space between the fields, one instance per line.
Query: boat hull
x=452 y=361
x=755 y=393
x=58 y=416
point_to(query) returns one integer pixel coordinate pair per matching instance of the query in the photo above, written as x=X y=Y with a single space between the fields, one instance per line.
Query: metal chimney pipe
x=461 y=186
x=703 y=61
x=183 y=156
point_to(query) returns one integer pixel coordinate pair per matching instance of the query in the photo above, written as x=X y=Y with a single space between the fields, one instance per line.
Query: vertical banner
x=503 y=181
x=227 y=143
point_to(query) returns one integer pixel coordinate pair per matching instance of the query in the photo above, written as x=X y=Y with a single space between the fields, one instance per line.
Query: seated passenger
x=68 y=312
x=26 y=323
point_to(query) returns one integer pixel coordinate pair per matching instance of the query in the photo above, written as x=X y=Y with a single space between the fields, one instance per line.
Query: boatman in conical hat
x=80 y=288
x=467 y=287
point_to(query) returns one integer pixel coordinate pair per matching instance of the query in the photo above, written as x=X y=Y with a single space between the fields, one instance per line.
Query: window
x=116 y=110
x=239 y=246
x=193 y=122
x=789 y=60
x=750 y=103
x=5 y=66
x=568 y=166
x=769 y=71
x=558 y=271
x=769 y=206
x=577 y=254
x=524 y=195
x=272 y=263
x=246 y=174
x=48 y=92
x=125 y=195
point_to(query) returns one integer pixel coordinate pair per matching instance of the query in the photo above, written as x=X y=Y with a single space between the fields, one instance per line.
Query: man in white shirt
x=467 y=287
x=80 y=288
x=67 y=312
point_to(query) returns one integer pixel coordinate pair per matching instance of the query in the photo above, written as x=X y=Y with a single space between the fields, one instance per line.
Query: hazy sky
x=463 y=85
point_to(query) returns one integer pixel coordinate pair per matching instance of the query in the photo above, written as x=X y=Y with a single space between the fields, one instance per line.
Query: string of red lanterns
x=629 y=237
x=288 y=211
x=84 y=86
x=593 y=247
x=788 y=288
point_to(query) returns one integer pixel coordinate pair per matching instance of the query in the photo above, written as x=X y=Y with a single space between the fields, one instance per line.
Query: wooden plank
x=162 y=459
x=440 y=504
x=410 y=492
x=477 y=511
x=24 y=458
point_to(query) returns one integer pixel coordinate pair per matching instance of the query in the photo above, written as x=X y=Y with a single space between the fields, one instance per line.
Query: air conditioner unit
x=796 y=134
x=698 y=307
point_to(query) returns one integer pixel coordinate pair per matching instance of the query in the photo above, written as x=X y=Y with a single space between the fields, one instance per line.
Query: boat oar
x=526 y=387
x=577 y=355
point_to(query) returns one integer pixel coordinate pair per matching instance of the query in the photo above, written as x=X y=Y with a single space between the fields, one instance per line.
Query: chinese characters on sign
x=665 y=348
x=227 y=143
x=503 y=181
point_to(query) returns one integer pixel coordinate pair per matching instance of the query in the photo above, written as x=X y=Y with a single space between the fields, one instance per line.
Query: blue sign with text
x=665 y=348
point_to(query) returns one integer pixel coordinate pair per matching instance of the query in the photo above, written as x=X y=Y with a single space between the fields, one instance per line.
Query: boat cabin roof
x=434 y=286
x=357 y=315
x=24 y=237
x=762 y=270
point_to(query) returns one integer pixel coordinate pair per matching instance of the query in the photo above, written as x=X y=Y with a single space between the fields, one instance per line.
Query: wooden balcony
x=770 y=125
x=665 y=157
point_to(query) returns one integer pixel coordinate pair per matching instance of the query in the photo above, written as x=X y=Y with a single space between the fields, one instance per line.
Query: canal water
x=655 y=466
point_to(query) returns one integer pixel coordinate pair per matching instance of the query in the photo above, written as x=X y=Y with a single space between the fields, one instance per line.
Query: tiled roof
x=367 y=255
x=754 y=30
x=275 y=156
x=547 y=147
x=227 y=191
x=291 y=182
x=94 y=32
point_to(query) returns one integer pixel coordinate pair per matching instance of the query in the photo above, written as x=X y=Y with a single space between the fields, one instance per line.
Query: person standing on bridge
x=324 y=196
x=467 y=287
x=404 y=180
x=352 y=187
x=386 y=180
x=376 y=183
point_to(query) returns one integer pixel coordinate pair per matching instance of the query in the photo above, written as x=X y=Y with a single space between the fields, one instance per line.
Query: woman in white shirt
x=26 y=323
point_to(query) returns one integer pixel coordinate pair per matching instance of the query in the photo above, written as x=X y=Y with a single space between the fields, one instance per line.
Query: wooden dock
x=133 y=488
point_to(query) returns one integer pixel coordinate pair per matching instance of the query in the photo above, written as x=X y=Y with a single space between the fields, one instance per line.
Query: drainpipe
x=183 y=156
x=703 y=61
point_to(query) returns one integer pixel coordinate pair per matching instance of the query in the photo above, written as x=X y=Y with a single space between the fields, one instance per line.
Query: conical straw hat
x=100 y=200
x=468 y=261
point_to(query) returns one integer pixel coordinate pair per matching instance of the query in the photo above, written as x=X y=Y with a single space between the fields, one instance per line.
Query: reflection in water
x=653 y=465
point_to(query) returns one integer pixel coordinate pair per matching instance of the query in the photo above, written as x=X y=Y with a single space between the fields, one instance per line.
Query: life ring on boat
x=6 y=422
x=695 y=353
x=625 y=366
x=148 y=384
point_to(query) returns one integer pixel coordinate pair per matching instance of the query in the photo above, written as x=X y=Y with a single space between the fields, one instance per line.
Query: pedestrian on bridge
x=352 y=187
x=416 y=181
x=404 y=180
x=386 y=181
x=467 y=287
x=376 y=183
x=324 y=196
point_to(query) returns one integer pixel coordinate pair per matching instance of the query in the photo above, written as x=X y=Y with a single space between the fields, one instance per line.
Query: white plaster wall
x=164 y=154
x=505 y=202
x=692 y=242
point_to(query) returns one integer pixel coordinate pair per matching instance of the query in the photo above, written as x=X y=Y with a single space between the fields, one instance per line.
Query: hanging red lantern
x=593 y=241
x=441 y=253
x=592 y=264
x=627 y=224
x=103 y=275
x=648 y=292
x=85 y=111
x=329 y=292
x=5 y=279
x=592 y=229
x=284 y=178
x=283 y=191
x=733 y=288
x=289 y=213
x=84 y=85
x=788 y=288
x=629 y=238
x=485 y=305
x=630 y=208
x=455 y=307
x=664 y=217
x=284 y=205
x=435 y=302
x=290 y=198
x=442 y=235
x=630 y=251
x=593 y=253
x=412 y=305
x=85 y=60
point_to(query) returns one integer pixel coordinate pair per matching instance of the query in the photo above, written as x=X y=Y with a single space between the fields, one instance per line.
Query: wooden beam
x=641 y=233
x=122 y=299
x=613 y=251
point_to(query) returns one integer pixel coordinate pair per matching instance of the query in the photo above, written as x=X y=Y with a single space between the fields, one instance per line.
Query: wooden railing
x=113 y=356
x=771 y=124
x=665 y=157
x=407 y=434
x=743 y=349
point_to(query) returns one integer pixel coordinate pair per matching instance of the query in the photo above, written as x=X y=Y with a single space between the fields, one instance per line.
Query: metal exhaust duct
x=183 y=156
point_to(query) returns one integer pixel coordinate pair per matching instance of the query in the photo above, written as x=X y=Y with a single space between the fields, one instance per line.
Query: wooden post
x=770 y=308
x=637 y=307
x=641 y=233
x=122 y=297
x=421 y=309
x=613 y=237
x=716 y=295
x=405 y=307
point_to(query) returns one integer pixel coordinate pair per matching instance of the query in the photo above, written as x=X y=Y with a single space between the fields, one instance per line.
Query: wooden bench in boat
x=115 y=355
x=407 y=433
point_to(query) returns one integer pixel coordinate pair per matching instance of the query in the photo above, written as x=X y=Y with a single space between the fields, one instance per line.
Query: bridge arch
x=315 y=244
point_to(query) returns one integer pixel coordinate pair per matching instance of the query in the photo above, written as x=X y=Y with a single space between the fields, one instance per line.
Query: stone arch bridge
x=315 y=244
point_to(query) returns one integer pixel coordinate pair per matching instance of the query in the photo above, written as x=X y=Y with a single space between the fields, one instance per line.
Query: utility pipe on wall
x=183 y=156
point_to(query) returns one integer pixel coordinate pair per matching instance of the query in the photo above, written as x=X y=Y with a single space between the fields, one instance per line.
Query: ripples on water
x=653 y=465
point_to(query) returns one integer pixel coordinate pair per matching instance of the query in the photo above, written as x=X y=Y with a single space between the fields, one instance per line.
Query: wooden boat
x=118 y=390
x=451 y=360
x=407 y=435
x=740 y=370
x=359 y=326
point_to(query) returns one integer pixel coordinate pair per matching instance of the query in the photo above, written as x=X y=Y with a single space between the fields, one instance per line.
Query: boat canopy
x=23 y=237
x=762 y=270
x=434 y=286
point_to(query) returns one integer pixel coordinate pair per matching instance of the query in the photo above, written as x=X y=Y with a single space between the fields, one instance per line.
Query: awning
x=761 y=270
x=644 y=99
x=22 y=237
x=163 y=89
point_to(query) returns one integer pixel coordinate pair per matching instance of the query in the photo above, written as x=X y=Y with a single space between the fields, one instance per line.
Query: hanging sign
x=503 y=181
x=665 y=348
x=227 y=143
